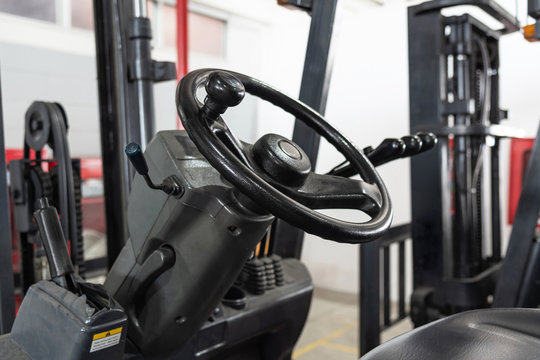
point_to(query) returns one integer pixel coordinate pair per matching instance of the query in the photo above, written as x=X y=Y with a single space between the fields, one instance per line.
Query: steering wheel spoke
x=219 y=128
x=335 y=192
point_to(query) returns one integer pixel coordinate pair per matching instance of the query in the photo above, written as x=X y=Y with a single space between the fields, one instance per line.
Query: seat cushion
x=490 y=334
x=9 y=350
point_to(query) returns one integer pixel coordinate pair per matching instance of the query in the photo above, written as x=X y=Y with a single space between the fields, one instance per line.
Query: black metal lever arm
x=389 y=150
x=52 y=236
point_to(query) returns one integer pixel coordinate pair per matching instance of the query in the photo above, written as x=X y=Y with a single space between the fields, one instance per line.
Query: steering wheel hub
x=289 y=149
x=282 y=159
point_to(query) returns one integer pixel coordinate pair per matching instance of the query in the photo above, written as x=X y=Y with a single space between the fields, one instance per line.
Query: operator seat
x=488 y=334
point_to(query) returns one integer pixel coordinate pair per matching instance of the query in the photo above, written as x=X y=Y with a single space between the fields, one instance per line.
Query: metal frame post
x=113 y=106
x=318 y=62
x=140 y=69
x=370 y=281
x=7 y=291
x=369 y=330
x=428 y=171
x=126 y=76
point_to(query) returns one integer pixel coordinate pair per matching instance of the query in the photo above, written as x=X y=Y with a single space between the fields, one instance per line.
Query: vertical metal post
x=463 y=218
x=139 y=8
x=370 y=327
x=495 y=118
x=495 y=204
x=140 y=69
x=126 y=76
x=369 y=330
x=401 y=269
x=430 y=214
x=113 y=103
x=318 y=62
x=7 y=298
x=386 y=285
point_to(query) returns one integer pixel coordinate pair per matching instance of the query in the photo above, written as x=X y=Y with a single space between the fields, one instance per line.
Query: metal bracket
x=510 y=22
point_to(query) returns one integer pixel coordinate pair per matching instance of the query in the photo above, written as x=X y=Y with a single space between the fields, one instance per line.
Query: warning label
x=106 y=339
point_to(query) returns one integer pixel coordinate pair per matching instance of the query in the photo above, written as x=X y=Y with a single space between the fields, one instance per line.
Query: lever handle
x=388 y=150
x=170 y=186
x=60 y=265
x=136 y=158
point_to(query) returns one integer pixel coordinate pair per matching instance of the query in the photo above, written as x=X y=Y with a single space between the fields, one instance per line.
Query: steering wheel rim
x=255 y=186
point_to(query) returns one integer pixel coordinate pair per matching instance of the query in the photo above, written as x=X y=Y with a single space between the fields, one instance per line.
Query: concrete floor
x=331 y=331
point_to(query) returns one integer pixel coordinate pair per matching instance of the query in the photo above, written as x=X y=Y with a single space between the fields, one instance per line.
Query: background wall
x=368 y=98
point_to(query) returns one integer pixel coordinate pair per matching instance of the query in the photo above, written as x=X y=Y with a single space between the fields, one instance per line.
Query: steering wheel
x=275 y=173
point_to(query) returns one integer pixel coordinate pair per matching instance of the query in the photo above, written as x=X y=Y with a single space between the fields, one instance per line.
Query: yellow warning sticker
x=106 y=339
x=101 y=335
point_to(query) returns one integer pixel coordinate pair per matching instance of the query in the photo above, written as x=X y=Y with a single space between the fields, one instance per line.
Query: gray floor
x=331 y=331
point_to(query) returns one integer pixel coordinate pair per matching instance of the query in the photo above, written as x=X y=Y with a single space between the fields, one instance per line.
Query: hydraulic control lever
x=52 y=236
x=170 y=185
x=389 y=150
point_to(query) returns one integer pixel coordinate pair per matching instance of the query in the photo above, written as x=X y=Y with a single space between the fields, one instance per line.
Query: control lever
x=60 y=266
x=170 y=185
x=389 y=150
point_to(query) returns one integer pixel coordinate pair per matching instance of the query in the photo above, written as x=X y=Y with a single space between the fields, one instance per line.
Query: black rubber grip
x=429 y=141
x=53 y=240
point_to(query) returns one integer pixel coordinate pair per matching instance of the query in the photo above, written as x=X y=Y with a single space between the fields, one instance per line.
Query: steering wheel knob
x=282 y=159
x=223 y=91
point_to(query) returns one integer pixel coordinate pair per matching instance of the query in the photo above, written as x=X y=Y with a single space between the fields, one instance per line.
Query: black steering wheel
x=275 y=173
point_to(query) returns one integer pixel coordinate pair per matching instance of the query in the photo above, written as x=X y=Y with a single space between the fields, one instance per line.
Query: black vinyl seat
x=490 y=334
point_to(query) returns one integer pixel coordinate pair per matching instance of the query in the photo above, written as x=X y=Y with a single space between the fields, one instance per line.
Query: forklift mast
x=454 y=93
